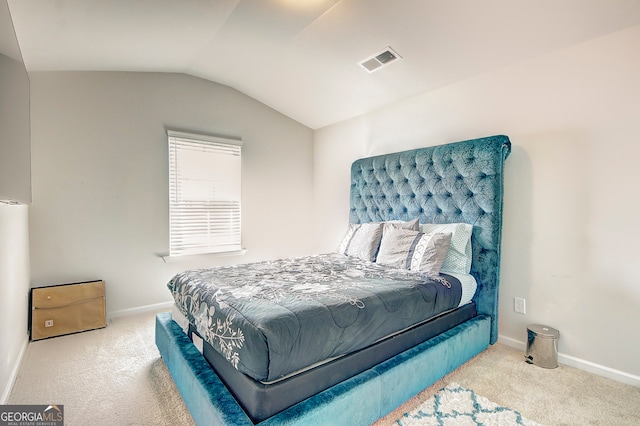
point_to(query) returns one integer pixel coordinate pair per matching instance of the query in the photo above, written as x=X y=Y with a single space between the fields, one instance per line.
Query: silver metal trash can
x=542 y=346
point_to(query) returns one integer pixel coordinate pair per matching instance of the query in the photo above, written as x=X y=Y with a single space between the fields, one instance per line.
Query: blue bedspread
x=272 y=318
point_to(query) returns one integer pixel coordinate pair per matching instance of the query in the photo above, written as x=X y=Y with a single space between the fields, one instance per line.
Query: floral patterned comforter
x=272 y=318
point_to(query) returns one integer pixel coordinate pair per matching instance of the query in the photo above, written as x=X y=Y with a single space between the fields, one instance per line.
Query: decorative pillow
x=409 y=249
x=411 y=224
x=430 y=252
x=396 y=247
x=458 y=259
x=362 y=240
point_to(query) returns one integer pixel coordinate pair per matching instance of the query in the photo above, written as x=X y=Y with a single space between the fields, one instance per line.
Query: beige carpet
x=114 y=376
x=554 y=397
x=111 y=376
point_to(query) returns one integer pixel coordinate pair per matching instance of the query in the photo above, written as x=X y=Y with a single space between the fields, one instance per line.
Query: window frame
x=205 y=245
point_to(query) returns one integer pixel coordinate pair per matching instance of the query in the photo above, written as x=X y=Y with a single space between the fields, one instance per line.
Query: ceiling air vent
x=379 y=60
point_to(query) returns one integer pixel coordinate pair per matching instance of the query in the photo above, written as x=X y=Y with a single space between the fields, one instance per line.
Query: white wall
x=571 y=204
x=14 y=288
x=100 y=173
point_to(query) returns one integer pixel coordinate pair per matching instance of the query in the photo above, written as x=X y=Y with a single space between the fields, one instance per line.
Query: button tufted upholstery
x=456 y=182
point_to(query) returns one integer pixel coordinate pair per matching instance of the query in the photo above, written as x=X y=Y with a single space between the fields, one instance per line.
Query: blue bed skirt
x=360 y=400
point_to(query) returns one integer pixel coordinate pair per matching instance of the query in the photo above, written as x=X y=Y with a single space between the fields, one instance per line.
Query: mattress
x=270 y=319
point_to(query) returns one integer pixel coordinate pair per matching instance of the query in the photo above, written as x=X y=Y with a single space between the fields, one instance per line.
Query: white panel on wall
x=15 y=144
x=14 y=282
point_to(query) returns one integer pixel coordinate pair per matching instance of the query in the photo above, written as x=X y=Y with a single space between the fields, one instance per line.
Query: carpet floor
x=109 y=376
x=114 y=376
x=553 y=397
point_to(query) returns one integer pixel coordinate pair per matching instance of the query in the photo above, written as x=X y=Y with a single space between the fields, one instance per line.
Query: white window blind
x=205 y=194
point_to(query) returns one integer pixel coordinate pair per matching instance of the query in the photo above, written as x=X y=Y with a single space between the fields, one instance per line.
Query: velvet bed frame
x=456 y=182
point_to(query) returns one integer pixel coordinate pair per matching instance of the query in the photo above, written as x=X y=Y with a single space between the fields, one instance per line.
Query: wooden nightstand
x=67 y=308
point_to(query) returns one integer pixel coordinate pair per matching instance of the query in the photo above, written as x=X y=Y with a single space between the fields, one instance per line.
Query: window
x=204 y=194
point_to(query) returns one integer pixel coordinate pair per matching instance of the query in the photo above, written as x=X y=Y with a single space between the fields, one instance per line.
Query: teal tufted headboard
x=456 y=182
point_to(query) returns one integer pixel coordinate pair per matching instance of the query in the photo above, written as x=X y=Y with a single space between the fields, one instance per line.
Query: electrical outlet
x=48 y=323
x=519 y=305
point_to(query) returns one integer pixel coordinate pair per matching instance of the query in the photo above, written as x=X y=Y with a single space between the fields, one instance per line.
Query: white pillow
x=362 y=240
x=459 y=256
x=414 y=250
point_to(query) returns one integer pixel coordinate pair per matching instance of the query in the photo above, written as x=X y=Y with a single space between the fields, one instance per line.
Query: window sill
x=170 y=259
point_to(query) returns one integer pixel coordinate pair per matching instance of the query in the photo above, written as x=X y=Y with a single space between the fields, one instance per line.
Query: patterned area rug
x=455 y=405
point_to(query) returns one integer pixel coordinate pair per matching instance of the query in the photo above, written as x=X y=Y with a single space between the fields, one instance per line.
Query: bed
x=412 y=208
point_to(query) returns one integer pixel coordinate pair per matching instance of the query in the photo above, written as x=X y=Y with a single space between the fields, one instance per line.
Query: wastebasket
x=542 y=346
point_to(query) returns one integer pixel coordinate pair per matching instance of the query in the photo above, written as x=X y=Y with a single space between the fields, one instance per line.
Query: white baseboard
x=512 y=342
x=14 y=371
x=571 y=361
x=140 y=310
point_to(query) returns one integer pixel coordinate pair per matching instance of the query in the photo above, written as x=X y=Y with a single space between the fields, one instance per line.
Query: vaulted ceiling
x=301 y=57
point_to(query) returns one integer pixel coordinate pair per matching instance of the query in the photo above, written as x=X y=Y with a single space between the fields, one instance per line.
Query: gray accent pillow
x=414 y=250
x=411 y=224
x=362 y=240
x=459 y=257
x=430 y=252
x=395 y=247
